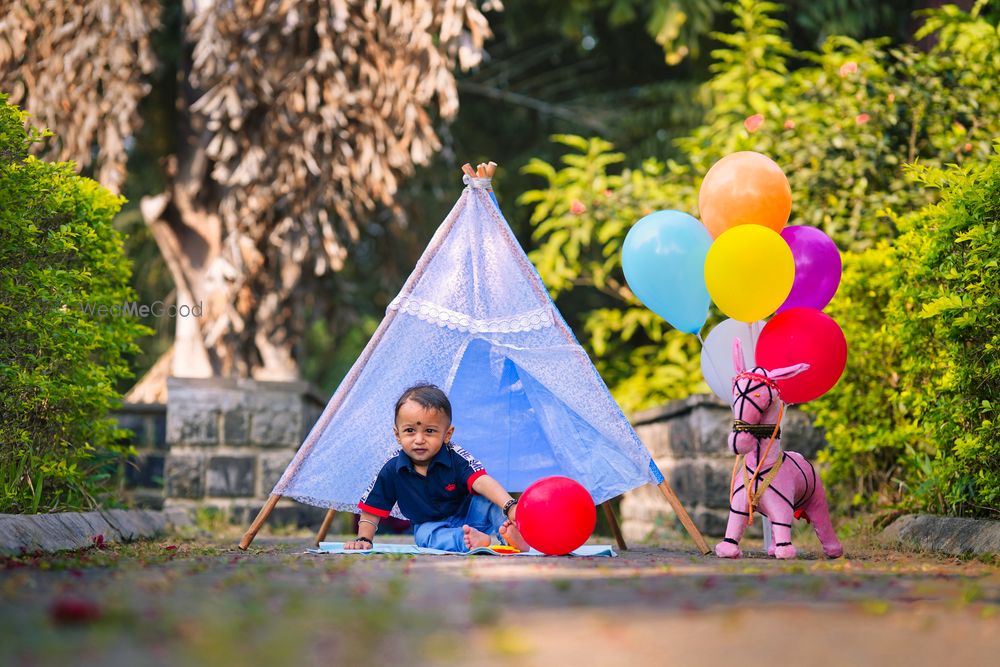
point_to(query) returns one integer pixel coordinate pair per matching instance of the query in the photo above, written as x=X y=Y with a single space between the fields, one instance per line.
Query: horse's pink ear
x=786 y=372
x=738 y=364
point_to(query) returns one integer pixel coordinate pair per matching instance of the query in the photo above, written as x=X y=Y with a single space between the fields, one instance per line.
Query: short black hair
x=427 y=395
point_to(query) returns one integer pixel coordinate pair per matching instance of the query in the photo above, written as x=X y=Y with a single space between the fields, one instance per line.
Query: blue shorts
x=448 y=535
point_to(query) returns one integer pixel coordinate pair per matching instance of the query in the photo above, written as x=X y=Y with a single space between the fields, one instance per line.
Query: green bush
x=869 y=459
x=59 y=255
x=915 y=420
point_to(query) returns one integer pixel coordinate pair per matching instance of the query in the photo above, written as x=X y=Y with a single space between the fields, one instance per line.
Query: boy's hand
x=357 y=544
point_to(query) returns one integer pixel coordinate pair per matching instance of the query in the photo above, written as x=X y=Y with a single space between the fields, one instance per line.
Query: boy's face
x=421 y=431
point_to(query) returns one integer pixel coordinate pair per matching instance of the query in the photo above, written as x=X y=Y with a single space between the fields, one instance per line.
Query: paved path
x=195 y=603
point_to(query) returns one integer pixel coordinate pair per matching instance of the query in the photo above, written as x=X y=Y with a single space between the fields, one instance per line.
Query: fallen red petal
x=73 y=609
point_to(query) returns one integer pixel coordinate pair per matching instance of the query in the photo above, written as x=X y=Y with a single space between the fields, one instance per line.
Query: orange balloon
x=744 y=188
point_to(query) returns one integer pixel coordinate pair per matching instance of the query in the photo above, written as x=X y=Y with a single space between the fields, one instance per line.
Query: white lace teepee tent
x=475 y=319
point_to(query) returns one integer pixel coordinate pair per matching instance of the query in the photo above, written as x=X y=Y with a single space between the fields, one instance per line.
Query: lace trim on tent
x=445 y=318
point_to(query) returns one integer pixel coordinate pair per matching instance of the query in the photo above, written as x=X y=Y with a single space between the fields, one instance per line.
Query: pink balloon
x=817 y=268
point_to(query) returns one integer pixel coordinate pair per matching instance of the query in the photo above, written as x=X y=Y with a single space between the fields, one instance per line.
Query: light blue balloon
x=664 y=261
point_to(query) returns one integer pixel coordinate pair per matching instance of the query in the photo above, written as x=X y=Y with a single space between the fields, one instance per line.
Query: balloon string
x=753 y=345
x=711 y=362
x=760 y=461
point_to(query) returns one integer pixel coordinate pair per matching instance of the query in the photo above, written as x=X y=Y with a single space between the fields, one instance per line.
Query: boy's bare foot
x=512 y=536
x=475 y=538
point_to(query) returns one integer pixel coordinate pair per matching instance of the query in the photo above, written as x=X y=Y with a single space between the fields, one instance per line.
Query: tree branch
x=540 y=106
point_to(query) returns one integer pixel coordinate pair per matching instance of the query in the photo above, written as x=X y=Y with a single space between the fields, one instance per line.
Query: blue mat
x=587 y=550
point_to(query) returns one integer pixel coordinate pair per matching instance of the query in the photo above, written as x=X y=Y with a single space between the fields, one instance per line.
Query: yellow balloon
x=749 y=272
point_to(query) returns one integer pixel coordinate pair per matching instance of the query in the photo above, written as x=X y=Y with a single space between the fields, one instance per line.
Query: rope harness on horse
x=758 y=431
x=754 y=496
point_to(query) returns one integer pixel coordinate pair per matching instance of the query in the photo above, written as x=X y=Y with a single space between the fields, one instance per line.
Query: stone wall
x=230 y=440
x=144 y=471
x=221 y=444
x=687 y=439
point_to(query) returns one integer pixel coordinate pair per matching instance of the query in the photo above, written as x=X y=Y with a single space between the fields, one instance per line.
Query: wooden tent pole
x=258 y=522
x=323 y=529
x=682 y=514
x=615 y=528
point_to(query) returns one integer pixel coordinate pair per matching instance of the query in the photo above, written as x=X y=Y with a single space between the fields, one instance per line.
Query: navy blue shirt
x=443 y=493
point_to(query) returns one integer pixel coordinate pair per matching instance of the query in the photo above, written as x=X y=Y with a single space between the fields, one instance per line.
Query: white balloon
x=717 y=354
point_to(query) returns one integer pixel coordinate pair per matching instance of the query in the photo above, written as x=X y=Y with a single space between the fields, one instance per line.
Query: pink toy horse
x=784 y=484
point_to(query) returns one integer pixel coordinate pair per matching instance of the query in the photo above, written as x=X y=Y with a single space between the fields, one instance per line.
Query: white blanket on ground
x=587 y=550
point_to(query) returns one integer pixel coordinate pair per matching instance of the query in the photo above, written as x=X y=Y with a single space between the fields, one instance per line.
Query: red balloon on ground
x=556 y=515
x=803 y=335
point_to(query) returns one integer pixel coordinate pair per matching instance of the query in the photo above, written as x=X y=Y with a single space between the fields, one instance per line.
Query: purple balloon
x=817 y=268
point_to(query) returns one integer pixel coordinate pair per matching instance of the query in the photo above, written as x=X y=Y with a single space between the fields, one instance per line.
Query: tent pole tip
x=258 y=522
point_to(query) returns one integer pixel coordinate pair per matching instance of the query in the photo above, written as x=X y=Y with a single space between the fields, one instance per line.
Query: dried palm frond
x=78 y=68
